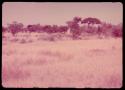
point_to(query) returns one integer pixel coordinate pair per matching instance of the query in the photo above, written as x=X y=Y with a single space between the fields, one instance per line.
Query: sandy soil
x=95 y=63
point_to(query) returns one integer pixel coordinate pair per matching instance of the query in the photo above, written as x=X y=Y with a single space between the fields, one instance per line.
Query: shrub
x=23 y=41
x=117 y=33
x=14 y=40
x=51 y=38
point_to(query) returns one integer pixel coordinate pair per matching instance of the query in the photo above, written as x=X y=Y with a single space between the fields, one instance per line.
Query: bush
x=51 y=38
x=117 y=33
x=23 y=41
x=14 y=40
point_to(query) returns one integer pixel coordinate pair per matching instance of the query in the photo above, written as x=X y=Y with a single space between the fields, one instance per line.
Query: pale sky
x=58 y=13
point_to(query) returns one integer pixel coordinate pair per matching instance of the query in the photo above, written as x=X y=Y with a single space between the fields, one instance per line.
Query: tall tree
x=91 y=21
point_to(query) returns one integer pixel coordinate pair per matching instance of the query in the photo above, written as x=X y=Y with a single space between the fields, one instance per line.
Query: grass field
x=94 y=63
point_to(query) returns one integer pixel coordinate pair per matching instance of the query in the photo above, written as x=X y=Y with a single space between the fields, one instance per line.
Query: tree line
x=76 y=27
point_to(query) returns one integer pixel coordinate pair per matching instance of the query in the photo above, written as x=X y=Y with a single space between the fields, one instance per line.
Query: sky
x=59 y=13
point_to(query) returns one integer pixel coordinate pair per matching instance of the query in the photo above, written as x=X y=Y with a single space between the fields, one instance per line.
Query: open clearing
x=75 y=63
